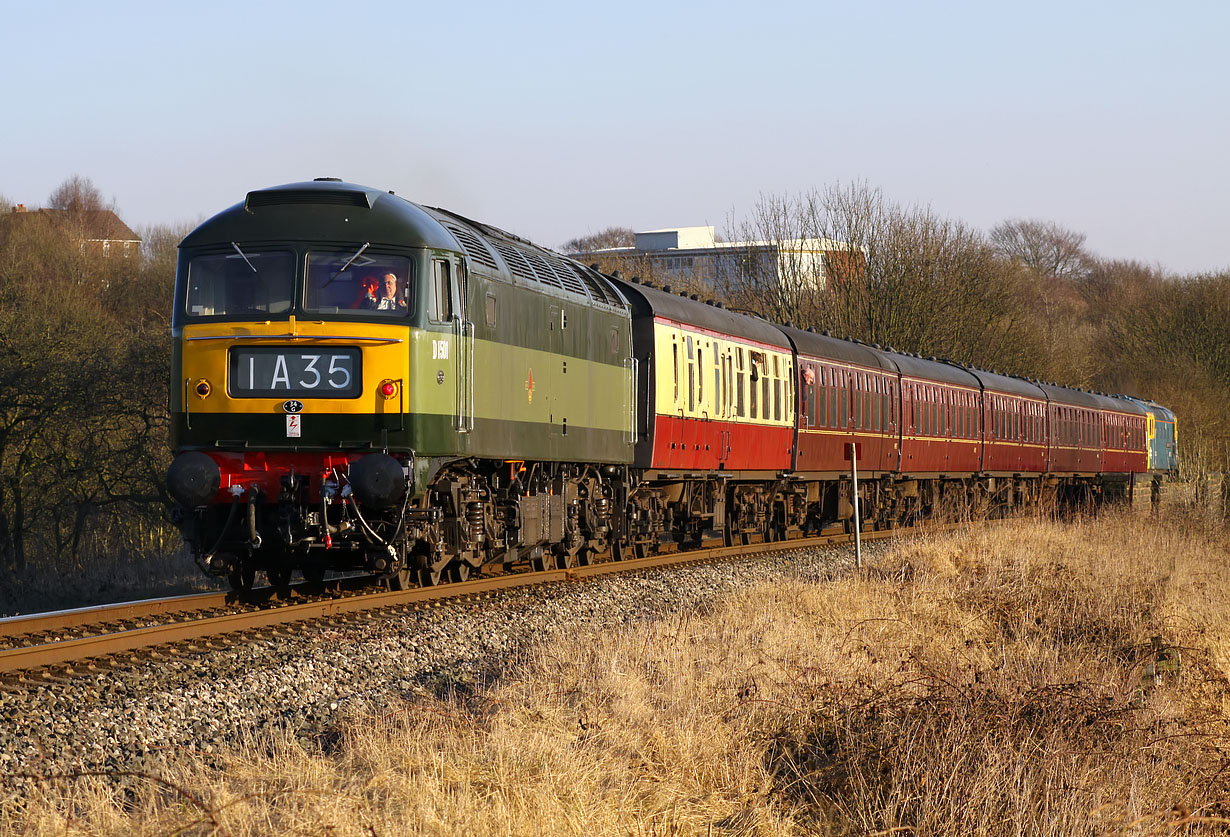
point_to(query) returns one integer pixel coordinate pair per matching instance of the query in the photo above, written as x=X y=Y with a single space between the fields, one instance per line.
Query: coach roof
x=687 y=311
x=810 y=344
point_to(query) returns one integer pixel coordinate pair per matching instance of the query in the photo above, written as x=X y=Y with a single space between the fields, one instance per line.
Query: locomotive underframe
x=497 y=514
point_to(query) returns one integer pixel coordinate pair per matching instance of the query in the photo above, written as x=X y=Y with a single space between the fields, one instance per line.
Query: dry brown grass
x=1004 y=680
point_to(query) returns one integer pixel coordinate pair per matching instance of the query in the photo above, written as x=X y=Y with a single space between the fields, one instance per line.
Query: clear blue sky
x=558 y=119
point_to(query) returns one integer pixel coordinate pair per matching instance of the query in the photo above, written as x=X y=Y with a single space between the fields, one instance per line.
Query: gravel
x=136 y=717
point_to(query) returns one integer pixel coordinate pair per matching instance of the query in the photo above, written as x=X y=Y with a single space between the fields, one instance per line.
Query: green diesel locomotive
x=353 y=372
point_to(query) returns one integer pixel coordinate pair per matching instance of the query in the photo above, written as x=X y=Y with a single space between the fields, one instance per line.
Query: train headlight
x=388 y=388
x=203 y=388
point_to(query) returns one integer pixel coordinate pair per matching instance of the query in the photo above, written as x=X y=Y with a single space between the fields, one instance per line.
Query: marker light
x=203 y=388
x=388 y=388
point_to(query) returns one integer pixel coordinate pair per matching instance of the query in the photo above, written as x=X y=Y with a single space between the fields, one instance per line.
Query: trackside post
x=858 y=539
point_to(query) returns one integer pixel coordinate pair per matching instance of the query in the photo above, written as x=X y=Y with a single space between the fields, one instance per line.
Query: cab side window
x=441 y=292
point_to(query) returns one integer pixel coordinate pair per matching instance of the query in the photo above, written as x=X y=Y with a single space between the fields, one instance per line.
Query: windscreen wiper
x=245 y=258
x=333 y=278
x=352 y=258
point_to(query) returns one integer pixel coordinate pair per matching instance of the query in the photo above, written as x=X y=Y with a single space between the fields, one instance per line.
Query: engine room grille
x=472 y=245
x=598 y=289
x=516 y=261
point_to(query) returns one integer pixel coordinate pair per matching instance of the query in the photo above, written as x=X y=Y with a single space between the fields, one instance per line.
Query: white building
x=694 y=253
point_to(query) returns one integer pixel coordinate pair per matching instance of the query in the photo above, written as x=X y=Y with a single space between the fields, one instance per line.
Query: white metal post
x=858 y=536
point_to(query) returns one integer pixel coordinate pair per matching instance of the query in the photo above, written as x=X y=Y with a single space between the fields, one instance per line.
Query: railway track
x=64 y=643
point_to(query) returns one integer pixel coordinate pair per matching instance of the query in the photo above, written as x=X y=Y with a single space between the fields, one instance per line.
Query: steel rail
x=78 y=617
x=134 y=639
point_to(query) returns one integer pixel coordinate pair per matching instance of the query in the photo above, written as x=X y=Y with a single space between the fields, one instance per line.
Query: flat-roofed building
x=694 y=254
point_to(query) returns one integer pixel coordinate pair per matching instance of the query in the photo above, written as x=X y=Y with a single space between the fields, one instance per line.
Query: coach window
x=675 y=359
x=691 y=374
x=726 y=384
x=766 y=406
x=753 y=388
x=830 y=397
x=791 y=392
x=777 y=389
x=736 y=377
x=739 y=383
x=856 y=401
x=822 y=397
x=839 y=399
x=700 y=375
x=717 y=381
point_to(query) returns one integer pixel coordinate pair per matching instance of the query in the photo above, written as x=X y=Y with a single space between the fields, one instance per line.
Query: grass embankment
x=1004 y=680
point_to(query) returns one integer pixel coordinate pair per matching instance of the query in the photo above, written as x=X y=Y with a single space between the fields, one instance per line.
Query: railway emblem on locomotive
x=292 y=406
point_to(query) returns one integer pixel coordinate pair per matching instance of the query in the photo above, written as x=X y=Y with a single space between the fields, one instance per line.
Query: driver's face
x=390 y=285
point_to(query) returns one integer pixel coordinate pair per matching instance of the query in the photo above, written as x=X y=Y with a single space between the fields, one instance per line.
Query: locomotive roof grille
x=596 y=287
x=293 y=197
x=566 y=275
x=521 y=267
x=474 y=248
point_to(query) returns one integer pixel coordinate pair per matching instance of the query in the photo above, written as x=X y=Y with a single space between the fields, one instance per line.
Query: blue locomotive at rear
x=1162 y=433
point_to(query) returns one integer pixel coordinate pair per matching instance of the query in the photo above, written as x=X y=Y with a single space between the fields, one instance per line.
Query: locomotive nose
x=378 y=480
x=193 y=479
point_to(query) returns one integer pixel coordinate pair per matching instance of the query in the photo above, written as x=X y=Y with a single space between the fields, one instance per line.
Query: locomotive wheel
x=434 y=572
x=314 y=575
x=541 y=560
x=278 y=577
x=565 y=559
x=458 y=571
x=400 y=580
x=241 y=579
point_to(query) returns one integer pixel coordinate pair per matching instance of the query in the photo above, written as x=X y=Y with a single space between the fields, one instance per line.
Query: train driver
x=391 y=301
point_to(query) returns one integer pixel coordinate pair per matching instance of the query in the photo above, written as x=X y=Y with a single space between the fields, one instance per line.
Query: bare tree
x=78 y=194
x=1044 y=247
x=893 y=275
x=602 y=240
